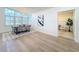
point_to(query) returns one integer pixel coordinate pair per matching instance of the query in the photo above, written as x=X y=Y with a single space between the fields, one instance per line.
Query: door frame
x=73 y=21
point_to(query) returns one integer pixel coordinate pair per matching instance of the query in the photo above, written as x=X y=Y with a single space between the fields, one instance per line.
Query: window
x=25 y=20
x=9 y=16
x=18 y=21
x=8 y=21
x=13 y=17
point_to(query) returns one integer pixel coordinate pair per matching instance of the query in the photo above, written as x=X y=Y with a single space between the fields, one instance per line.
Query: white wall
x=77 y=25
x=1 y=20
x=50 y=22
x=3 y=27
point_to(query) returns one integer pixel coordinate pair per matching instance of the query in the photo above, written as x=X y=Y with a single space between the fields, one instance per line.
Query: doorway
x=66 y=24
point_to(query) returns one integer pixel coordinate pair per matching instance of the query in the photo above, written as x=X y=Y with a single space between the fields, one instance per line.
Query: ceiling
x=30 y=9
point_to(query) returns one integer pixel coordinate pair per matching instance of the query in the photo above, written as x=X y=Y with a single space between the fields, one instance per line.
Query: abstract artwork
x=41 y=20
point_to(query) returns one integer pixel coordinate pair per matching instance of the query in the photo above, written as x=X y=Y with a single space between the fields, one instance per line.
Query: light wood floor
x=39 y=42
x=66 y=34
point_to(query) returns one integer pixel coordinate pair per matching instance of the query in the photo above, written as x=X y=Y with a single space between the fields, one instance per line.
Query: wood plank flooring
x=39 y=42
x=66 y=34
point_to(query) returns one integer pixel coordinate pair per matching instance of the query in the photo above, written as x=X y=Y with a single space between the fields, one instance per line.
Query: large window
x=13 y=17
x=9 y=16
x=24 y=19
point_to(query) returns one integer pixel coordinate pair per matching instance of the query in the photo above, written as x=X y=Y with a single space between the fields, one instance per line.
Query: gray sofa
x=21 y=28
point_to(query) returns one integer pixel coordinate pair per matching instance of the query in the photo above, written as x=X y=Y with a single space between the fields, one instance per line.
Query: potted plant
x=69 y=23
